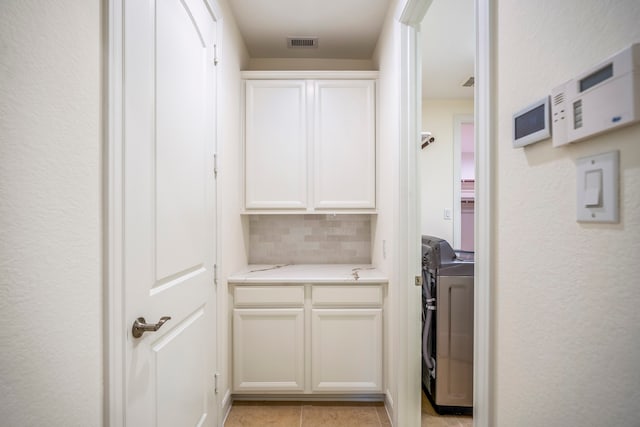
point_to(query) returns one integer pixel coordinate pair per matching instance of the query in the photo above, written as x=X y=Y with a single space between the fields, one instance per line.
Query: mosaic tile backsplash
x=310 y=239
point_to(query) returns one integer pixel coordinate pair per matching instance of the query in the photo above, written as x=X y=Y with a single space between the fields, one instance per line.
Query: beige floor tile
x=430 y=418
x=432 y=421
x=339 y=416
x=256 y=415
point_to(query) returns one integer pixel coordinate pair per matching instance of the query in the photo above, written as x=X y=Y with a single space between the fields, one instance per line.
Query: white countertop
x=309 y=273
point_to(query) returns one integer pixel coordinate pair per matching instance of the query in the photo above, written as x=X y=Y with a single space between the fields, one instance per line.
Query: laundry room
x=447 y=199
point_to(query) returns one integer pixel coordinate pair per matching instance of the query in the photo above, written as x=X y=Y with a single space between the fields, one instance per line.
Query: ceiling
x=448 y=47
x=346 y=29
x=349 y=29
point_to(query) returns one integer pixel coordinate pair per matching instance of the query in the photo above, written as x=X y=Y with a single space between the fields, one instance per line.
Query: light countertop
x=309 y=273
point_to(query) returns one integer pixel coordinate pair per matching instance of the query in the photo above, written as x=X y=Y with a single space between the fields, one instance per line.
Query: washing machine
x=447 y=326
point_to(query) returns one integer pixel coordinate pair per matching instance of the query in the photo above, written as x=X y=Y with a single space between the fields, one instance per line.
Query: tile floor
x=307 y=414
x=431 y=419
x=329 y=414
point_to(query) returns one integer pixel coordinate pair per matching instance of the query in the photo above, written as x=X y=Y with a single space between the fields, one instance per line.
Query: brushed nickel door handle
x=140 y=326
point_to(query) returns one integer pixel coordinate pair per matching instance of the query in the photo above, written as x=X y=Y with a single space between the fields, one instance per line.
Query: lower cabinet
x=268 y=348
x=346 y=350
x=307 y=339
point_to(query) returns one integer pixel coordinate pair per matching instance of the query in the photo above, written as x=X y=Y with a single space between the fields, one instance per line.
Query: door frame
x=413 y=12
x=115 y=330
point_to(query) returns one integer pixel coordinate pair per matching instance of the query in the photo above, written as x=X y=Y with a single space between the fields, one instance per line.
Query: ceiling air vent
x=470 y=82
x=302 y=42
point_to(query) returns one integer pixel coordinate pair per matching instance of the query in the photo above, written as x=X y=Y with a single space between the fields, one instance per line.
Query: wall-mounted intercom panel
x=603 y=98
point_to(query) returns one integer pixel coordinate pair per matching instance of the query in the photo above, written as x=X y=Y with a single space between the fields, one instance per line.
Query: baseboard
x=388 y=406
x=310 y=398
x=225 y=405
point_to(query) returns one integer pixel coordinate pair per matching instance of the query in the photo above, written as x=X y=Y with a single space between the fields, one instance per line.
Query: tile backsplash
x=310 y=239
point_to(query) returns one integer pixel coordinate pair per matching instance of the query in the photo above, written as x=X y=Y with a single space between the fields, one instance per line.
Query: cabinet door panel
x=344 y=144
x=268 y=350
x=276 y=144
x=346 y=350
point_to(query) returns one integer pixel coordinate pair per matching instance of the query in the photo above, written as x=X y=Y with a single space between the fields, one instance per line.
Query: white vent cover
x=302 y=42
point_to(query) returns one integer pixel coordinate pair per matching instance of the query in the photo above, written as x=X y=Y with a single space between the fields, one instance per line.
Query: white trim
x=483 y=336
x=458 y=120
x=408 y=235
x=288 y=75
x=114 y=411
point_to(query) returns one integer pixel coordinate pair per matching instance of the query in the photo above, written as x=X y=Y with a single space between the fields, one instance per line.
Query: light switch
x=597 y=188
x=593 y=189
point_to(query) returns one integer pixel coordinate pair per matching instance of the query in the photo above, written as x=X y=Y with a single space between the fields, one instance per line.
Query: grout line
x=301 y=409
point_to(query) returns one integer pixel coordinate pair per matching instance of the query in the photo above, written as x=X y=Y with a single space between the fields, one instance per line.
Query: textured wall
x=310 y=239
x=567 y=294
x=50 y=213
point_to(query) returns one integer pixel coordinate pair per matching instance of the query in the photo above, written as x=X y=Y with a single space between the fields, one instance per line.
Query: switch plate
x=597 y=182
x=447 y=213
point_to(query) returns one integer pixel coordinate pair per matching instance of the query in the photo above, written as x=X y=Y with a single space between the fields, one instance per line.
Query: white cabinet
x=346 y=350
x=344 y=144
x=310 y=143
x=268 y=348
x=268 y=343
x=276 y=144
x=312 y=339
x=346 y=338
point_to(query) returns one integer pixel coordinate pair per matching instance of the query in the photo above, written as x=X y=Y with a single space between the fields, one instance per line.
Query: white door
x=169 y=215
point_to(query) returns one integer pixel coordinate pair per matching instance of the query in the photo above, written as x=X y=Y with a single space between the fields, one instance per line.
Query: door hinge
x=215 y=274
x=215 y=55
x=418 y=281
x=215 y=165
x=215 y=382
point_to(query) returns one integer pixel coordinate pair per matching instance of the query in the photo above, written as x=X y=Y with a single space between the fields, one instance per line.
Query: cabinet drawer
x=347 y=296
x=269 y=296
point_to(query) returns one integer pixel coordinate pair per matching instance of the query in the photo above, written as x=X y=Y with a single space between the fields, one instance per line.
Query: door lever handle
x=140 y=326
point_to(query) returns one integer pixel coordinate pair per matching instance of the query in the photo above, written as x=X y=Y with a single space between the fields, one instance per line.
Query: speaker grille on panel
x=558 y=99
x=302 y=42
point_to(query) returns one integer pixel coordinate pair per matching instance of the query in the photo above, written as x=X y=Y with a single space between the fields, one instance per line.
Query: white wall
x=233 y=229
x=566 y=294
x=436 y=164
x=50 y=213
x=384 y=244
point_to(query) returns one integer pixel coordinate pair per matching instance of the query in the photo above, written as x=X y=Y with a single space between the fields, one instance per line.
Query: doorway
x=447 y=176
x=411 y=17
x=464 y=179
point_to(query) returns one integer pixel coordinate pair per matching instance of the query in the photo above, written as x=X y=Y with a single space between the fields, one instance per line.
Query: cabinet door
x=268 y=350
x=346 y=350
x=344 y=144
x=276 y=144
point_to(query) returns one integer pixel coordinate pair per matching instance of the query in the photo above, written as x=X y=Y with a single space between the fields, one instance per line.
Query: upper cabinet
x=310 y=141
x=276 y=148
